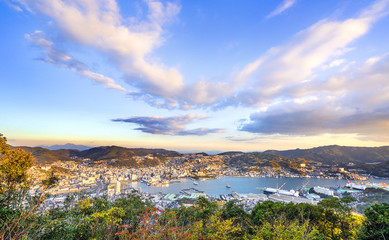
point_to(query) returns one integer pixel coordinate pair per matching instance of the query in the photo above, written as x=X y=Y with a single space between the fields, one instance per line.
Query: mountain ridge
x=66 y=146
x=96 y=154
x=335 y=154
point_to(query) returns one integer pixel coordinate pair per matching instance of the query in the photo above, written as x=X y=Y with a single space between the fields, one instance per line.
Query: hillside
x=338 y=154
x=259 y=160
x=379 y=169
x=117 y=156
x=124 y=157
x=115 y=152
x=45 y=156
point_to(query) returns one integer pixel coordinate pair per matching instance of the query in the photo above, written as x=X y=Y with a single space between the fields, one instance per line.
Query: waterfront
x=242 y=185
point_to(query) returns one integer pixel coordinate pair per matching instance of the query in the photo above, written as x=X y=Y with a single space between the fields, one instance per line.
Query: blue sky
x=195 y=75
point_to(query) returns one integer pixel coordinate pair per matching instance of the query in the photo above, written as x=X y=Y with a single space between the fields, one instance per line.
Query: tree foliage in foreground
x=17 y=206
x=376 y=225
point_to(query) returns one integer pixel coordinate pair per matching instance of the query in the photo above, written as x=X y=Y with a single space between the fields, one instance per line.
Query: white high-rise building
x=118 y=187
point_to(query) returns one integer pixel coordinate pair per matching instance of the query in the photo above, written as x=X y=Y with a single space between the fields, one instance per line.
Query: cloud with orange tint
x=169 y=125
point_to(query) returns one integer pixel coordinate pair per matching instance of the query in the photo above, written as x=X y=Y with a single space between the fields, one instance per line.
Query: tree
x=376 y=225
x=267 y=211
x=283 y=229
x=205 y=208
x=17 y=206
x=233 y=211
x=338 y=222
x=14 y=180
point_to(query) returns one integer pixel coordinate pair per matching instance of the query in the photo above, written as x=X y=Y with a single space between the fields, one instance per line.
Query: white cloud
x=336 y=63
x=56 y=56
x=282 y=7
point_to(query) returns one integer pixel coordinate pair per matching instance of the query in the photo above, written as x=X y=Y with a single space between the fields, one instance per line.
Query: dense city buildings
x=85 y=177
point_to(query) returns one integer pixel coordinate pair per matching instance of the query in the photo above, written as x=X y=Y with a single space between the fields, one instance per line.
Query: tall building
x=118 y=187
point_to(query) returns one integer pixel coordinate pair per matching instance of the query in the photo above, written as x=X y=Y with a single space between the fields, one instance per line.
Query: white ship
x=355 y=186
x=281 y=192
x=270 y=190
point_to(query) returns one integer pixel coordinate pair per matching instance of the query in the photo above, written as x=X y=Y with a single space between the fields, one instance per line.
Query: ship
x=281 y=192
x=228 y=186
x=355 y=186
x=270 y=190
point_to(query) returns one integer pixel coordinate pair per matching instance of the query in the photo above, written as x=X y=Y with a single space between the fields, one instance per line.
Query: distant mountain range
x=66 y=146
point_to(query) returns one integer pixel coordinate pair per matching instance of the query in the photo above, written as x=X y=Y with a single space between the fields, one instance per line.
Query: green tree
x=157 y=224
x=338 y=221
x=14 y=184
x=205 y=208
x=103 y=224
x=217 y=228
x=376 y=225
x=235 y=212
x=14 y=180
x=282 y=229
x=266 y=211
x=133 y=206
x=17 y=206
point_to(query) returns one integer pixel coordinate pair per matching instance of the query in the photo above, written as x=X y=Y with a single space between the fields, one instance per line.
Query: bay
x=243 y=185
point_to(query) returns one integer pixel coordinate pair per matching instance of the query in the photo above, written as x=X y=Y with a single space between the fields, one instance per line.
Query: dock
x=192 y=189
x=288 y=199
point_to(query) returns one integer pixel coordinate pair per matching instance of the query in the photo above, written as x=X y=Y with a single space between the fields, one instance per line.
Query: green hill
x=107 y=153
x=44 y=156
x=338 y=154
x=115 y=152
x=379 y=169
x=114 y=155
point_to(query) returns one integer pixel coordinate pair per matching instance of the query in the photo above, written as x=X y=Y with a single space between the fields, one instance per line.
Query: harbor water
x=242 y=185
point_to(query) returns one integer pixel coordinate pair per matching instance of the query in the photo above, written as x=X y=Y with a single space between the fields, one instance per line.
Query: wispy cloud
x=282 y=7
x=169 y=125
x=239 y=139
x=14 y=6
x=56 y=56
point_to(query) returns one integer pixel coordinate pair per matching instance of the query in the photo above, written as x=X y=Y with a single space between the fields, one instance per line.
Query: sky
x=189 y=75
